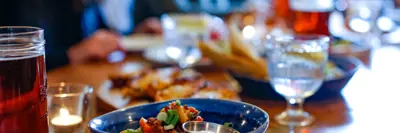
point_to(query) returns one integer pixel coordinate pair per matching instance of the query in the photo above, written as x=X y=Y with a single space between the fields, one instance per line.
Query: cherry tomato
x=214 y=35
x=191 y=109
x=198 y=118
x=146 y=128
x=173 y=104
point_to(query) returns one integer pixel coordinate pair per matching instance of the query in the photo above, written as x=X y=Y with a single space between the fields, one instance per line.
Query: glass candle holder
x=69 y=107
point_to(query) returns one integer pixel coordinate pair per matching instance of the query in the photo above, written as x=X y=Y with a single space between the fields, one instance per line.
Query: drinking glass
x=70 y=107
x=23 y=104
x=181 y=34
x=296 y=66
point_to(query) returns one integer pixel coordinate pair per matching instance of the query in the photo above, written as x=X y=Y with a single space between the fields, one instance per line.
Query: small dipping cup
x=206 y=127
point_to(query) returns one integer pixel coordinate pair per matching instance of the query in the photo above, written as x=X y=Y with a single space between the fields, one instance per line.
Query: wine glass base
x=294 y=118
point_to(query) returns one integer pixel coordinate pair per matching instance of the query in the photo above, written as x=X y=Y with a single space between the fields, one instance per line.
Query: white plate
x=157 y=54
x=140 y=42
x=114 y=98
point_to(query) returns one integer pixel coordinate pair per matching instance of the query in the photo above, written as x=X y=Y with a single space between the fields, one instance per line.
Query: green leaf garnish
x=178 y=102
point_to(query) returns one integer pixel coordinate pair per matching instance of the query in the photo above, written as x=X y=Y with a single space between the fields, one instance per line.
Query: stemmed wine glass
x=296 y=65
x=181 y=34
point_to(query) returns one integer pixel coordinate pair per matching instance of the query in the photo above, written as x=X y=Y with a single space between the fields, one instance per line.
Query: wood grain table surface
x=370 y=102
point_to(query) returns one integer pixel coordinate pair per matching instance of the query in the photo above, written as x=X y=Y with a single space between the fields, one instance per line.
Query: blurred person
x=65 y=40
x=81 y=30
x=148 y=12
x=61 y=23
x=78 y=31
x=145 y=9
x=14 y=13
x=119 y=15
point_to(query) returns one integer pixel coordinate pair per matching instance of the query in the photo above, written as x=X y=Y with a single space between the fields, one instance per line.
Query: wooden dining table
x=369 y=103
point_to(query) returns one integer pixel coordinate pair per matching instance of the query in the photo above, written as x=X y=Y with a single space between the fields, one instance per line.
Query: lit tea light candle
x=249 y=32
x=65 y=119
x=65 y=122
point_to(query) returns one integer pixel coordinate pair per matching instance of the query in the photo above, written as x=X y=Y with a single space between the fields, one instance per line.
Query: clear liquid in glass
x=183 y=48
x=181 y=34
x=184 y=55
x=296 y=77
x=296 y=66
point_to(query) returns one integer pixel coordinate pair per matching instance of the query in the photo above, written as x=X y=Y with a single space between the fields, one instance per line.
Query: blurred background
x=68 y=23
x=78 y=32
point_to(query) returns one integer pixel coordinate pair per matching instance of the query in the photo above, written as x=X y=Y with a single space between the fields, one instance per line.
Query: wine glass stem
x=295 y=106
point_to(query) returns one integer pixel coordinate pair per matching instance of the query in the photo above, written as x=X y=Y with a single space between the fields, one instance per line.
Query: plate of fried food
x=249 y=67
x=145 y=85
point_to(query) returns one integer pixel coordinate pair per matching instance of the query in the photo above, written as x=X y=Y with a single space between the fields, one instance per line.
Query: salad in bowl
x=169 y=120
x=177 y=116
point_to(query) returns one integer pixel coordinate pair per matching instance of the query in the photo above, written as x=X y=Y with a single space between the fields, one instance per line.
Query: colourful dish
x=243 y=117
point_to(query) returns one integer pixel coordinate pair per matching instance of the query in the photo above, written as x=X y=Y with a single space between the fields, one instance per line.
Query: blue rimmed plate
x=244 y=117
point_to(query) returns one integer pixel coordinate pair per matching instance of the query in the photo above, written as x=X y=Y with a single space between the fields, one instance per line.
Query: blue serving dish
x=244 y=117
x=261 y=89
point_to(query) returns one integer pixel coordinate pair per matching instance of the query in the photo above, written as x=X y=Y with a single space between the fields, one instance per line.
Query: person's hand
x=150 y=25
x=97 y=46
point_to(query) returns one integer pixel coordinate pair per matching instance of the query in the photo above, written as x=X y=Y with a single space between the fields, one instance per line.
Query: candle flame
x=64 y=112
x=248 y=32
x=65 y=119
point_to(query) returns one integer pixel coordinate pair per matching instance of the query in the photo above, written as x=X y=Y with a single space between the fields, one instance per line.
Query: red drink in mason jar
x=23 y=103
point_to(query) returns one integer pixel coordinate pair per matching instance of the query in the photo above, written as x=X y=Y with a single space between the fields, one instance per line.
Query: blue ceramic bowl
x=244 y=117
x=331 y=88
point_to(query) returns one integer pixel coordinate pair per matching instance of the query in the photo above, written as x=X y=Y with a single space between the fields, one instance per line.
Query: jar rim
x=67 y=89
x=29 y=30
